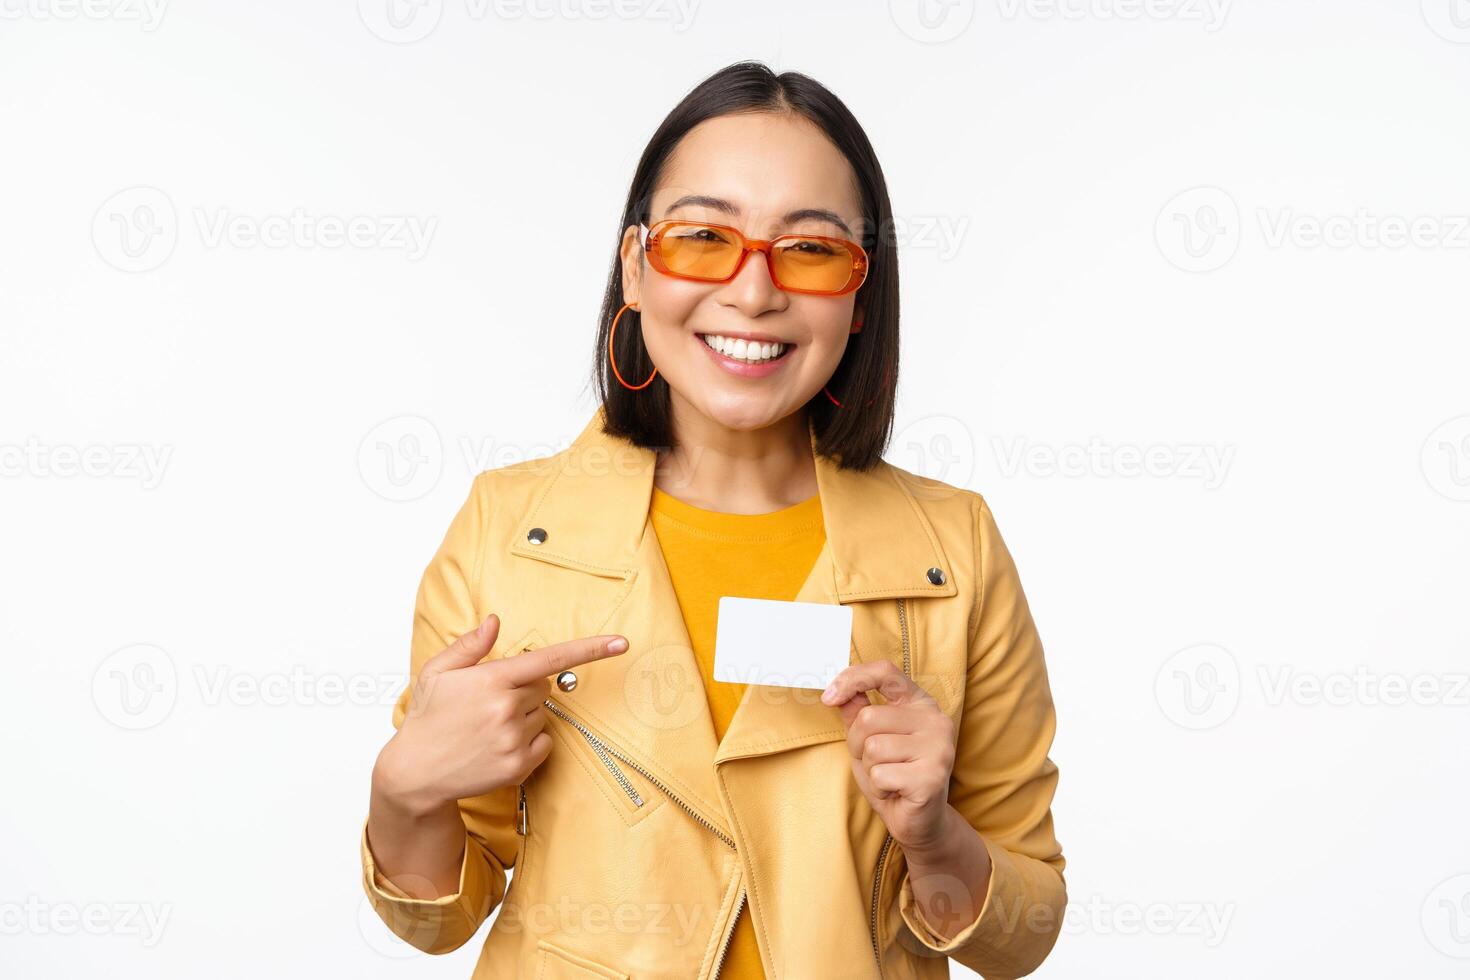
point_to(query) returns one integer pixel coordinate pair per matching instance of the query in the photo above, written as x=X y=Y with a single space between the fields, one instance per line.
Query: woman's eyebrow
x=791 y=218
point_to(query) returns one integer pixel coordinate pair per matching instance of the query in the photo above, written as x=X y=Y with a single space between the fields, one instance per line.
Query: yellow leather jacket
x=639 y=839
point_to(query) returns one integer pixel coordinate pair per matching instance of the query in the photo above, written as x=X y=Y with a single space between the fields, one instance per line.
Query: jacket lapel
x=601 y=570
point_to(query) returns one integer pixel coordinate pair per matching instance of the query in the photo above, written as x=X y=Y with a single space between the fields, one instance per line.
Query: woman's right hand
x=474 y=727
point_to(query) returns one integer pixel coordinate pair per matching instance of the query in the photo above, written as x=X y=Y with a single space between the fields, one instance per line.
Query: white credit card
x=782 y=644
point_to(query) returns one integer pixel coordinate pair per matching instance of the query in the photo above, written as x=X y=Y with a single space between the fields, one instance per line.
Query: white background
x=1231 y=237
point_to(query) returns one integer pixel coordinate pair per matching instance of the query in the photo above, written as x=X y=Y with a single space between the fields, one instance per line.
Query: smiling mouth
x=747 y=351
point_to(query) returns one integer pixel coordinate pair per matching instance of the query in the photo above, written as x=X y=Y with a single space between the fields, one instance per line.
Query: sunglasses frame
x=651 y=239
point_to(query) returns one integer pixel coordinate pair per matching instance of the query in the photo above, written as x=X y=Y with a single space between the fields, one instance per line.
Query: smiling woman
x=747 y=361
x=747 y=167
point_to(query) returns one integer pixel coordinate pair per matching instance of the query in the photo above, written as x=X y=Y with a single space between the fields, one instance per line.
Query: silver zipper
x=521 y=809
x=725 y=946
x=611 y=750
x=601 y=750
x=903 y=631
x=604 y=750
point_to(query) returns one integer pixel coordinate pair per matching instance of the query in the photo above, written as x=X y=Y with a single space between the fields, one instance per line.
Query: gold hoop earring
x=613 y=358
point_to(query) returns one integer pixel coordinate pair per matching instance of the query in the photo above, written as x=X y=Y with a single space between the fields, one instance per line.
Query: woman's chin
x=743 y=411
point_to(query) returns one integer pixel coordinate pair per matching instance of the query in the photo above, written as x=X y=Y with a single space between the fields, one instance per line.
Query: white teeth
x=752 y=351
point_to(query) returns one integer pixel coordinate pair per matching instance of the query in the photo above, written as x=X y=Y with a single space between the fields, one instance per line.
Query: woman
x=564 y=721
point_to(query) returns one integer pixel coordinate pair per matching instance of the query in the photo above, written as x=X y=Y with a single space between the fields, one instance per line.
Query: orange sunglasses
x=715 y=253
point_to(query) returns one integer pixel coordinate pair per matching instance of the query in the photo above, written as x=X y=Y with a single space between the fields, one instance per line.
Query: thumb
x=466 y=651
x=852 y=706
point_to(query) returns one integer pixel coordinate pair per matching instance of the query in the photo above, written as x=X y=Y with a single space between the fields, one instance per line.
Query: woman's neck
x=737 y=471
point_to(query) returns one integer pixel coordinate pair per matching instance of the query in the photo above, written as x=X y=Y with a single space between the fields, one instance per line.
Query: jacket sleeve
x=1003 y=780
x=444 y=609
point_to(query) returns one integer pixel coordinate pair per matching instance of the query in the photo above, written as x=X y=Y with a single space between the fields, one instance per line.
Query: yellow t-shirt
x=711 y=554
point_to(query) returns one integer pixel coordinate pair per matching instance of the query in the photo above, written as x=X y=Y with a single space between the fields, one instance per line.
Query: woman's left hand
x=902 y=751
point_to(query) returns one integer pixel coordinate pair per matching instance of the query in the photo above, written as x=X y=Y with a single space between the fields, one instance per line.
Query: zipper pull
x=521 y=810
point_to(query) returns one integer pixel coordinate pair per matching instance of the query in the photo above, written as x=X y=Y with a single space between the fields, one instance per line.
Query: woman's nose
x=753 y=290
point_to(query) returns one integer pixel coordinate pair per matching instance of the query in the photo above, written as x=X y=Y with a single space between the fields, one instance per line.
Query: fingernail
x=829 y=693
x=617 y=645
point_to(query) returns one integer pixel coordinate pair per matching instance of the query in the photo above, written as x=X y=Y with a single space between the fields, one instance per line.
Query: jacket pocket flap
x=530 y=640
x=555 y=963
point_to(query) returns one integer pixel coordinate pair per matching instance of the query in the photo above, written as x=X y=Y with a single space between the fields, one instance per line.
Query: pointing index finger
x=533 y=665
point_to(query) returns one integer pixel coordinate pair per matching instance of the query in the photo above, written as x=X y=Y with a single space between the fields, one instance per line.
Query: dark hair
x=866 y=379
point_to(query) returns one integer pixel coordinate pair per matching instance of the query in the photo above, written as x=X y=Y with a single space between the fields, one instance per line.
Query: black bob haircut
x=866 y=380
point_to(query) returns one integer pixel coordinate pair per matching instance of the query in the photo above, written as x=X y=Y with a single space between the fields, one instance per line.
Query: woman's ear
x=857 y=319
x=631 y=254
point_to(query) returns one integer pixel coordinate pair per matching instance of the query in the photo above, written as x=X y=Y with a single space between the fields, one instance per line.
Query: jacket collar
x=591 y=514
x=599 y=490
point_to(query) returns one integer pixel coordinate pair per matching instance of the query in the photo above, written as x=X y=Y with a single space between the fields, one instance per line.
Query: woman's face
x=766 y=175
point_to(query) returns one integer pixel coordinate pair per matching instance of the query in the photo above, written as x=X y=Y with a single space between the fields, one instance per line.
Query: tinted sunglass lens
x=814 y=264
x=700 y=251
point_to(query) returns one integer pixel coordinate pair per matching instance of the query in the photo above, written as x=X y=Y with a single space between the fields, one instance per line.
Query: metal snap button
x=566 y=680
x=537 y=535
x=936 y=576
